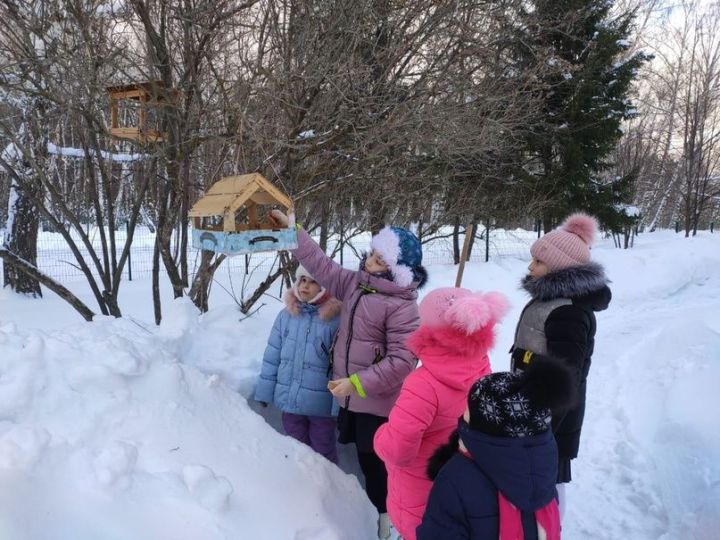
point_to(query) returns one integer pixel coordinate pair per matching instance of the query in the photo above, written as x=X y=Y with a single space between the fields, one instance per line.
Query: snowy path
x=649 y=465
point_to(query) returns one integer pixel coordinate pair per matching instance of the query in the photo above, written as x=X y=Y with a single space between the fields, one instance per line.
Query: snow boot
x=384 y=527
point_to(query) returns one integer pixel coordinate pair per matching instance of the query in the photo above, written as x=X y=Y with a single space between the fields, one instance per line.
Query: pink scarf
x=547 y=518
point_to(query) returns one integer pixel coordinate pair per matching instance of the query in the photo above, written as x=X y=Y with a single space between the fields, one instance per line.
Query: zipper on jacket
x=364 y=289
x=330 y=358
x=305 y=347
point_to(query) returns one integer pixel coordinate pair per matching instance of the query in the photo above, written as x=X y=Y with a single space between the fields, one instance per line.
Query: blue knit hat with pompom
x=402 y=252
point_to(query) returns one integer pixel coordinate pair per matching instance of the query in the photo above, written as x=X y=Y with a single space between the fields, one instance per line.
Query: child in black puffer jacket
x=566 y=290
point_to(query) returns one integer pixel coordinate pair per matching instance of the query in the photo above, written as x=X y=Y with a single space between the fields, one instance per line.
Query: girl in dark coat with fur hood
x=566 y=290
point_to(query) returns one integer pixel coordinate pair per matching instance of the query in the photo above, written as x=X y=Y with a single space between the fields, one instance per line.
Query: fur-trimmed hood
x=457 y=329
x=420 y=275
x=587 y=282
x=402 y=252
x=327 y=310
x=452 y=356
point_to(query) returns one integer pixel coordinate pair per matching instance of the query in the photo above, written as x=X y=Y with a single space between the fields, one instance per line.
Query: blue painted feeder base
x=237 y=243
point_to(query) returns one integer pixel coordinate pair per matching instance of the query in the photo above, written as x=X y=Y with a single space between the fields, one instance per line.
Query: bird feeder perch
x=141 y=96
x=230 y=218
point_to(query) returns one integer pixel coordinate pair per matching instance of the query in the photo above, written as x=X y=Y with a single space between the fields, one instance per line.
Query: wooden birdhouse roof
x=149 y=90
x=229 y=194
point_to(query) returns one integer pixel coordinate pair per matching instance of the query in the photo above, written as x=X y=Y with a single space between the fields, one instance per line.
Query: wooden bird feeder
x=230 y=217
x=140 y=96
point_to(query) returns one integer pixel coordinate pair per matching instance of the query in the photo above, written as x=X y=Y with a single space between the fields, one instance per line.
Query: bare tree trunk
x=156 y=281
x=21 y=242
x=184 y=222
x=200 y=290
x=26 y=188
x=20 y=265
x=547 y=224
x=377 y=217
x=324 y=224
x=456 y=241
x=247 y=305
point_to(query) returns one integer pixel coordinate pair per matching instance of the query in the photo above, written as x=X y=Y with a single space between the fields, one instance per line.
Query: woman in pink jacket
x=456 y=331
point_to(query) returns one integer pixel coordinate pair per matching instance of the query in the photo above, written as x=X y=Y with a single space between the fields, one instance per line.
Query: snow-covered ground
x=120 y=430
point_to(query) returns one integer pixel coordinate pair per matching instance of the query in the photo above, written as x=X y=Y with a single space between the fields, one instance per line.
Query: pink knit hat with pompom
x=568 y=245
x=463 y=310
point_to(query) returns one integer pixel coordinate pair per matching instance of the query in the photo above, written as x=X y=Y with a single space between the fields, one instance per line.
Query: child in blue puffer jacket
x=296 y=367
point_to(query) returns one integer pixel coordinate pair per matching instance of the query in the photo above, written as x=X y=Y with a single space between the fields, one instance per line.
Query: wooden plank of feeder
x=274 y=192
x=141 y=123
x=211 y=205
x=113 y=113
x=252 y=214
x=243 y=197
x=136 y=134
x=229 y=221
x=263 y=192
x=232 y=192
x=230 y=185
x=135 y=93
x=263 y=197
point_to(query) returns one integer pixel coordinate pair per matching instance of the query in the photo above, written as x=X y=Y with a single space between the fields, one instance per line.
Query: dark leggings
x=360 y=428
x=375 y=479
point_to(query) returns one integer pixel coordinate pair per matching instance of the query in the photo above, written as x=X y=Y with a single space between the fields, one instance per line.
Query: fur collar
x=327 y=310
x=452 y=357
x=573 y=282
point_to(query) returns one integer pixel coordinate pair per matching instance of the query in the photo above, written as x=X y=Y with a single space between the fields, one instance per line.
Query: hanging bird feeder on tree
x=233 y=217
x=137 y=99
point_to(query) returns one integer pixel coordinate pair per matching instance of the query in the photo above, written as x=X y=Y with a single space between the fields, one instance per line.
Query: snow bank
x=105 y=433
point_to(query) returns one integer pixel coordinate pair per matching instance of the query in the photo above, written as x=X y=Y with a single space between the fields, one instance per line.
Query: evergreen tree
x=585 y=99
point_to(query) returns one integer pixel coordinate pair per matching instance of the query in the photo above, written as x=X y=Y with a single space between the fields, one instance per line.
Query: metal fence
x=55 y=259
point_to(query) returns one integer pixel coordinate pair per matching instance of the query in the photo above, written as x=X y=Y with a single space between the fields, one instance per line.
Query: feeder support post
x=469 y=231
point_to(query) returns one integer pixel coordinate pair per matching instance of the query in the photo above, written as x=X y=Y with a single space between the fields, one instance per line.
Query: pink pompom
x=582 y=225
x=476 y=311
x=498 y=304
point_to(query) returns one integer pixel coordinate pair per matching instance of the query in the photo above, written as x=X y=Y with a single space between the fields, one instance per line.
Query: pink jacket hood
x=453 y=357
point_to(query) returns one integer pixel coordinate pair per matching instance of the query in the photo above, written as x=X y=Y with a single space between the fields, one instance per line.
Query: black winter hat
x=520 y=404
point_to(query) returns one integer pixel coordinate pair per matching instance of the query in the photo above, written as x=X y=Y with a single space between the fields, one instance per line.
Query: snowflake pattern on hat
x=497 y=409
x=489 y=408
x=500 y=384
x=517 y=406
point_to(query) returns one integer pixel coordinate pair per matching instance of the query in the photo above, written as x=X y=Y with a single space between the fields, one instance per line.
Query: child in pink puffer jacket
x=456 y=331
